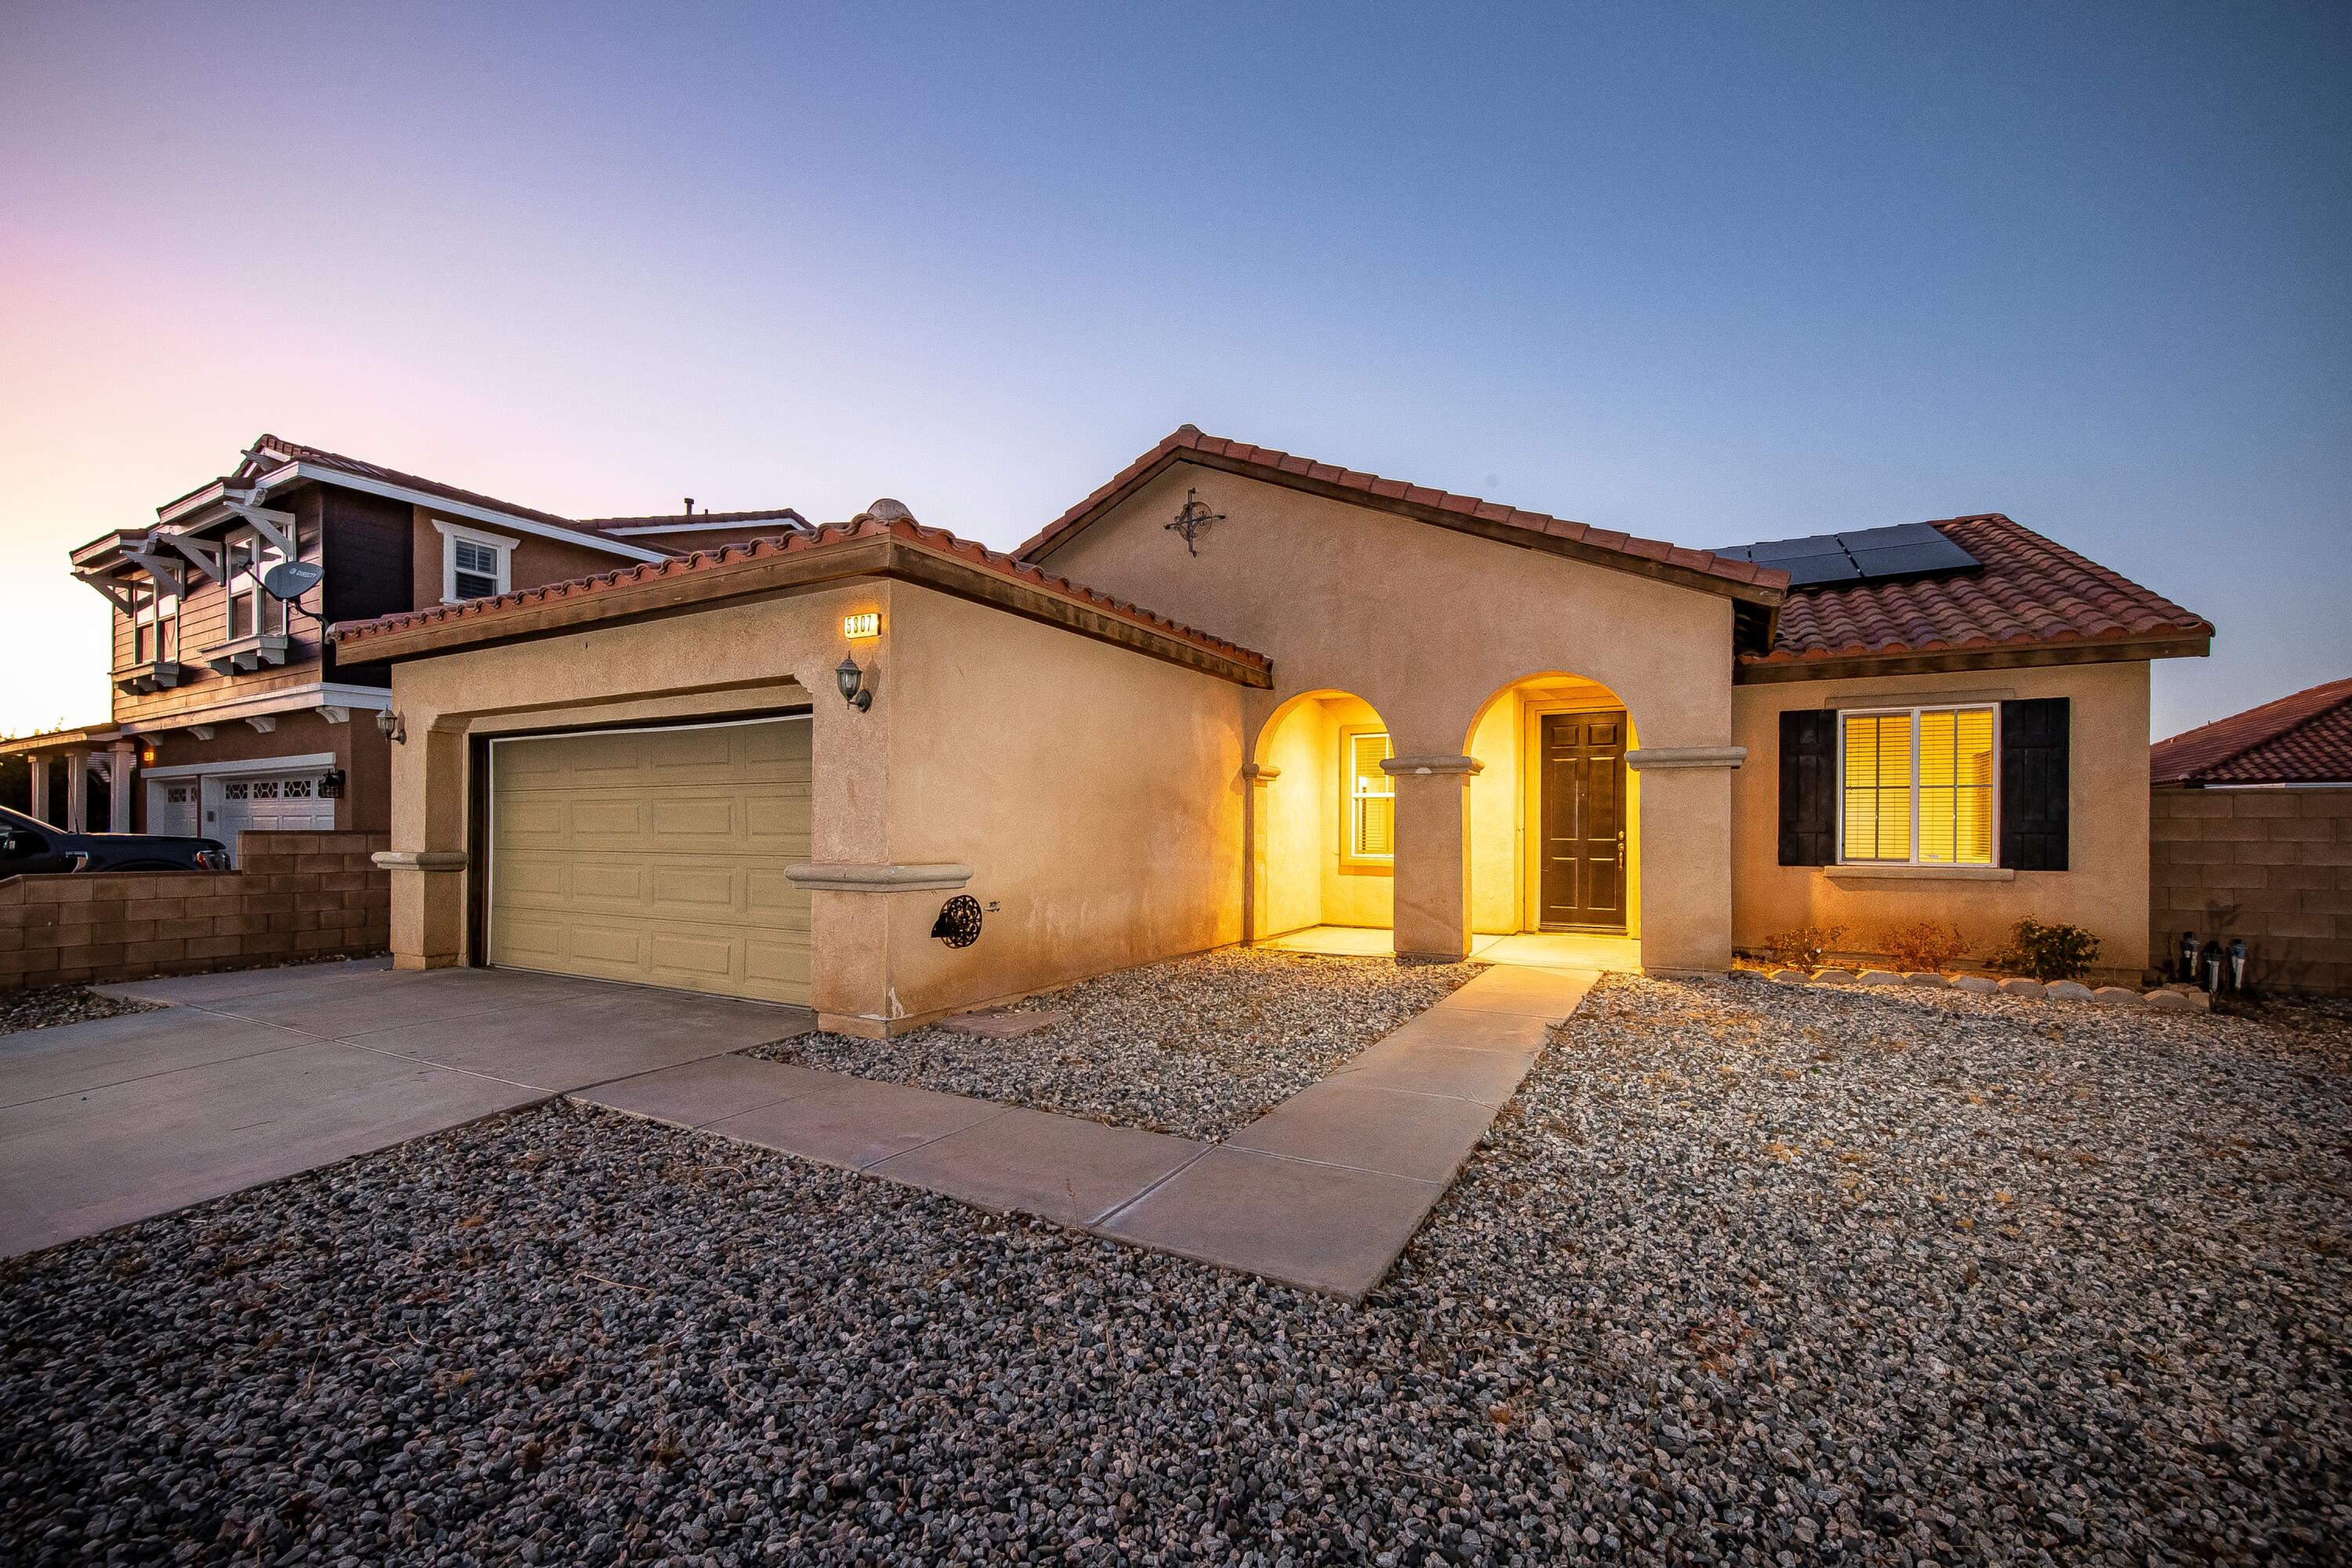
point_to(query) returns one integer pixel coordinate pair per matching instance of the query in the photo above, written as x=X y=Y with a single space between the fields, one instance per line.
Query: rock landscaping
x=1745 y=1274
x=45 y=1006
x=1197 y=1046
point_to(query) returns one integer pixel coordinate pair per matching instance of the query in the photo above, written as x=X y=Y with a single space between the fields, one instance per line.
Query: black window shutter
x=2034 y=783
x=1808 y=787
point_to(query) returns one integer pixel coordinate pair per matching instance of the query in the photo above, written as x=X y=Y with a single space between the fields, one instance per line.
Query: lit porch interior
x=1324 y=816
x=1540 y=950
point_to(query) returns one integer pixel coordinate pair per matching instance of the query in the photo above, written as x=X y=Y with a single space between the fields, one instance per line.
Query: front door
x=1583 y=822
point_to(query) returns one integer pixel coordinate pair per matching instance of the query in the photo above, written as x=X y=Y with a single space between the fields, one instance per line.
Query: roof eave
x=780 y=573
x=1063 y=532
x=2015 y=655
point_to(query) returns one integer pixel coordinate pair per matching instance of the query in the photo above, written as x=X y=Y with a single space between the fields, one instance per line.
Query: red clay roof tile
x=2305 y=738
x=1189 y=439
x=2029 y=591
x=833 y=536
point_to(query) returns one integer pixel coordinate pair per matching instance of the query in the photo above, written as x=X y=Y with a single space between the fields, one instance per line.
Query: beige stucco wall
x=1427 y=625
x=1094 y=791
x=2107 y=888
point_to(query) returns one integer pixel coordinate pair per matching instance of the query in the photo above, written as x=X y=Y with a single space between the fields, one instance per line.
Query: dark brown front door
x=1584 y=812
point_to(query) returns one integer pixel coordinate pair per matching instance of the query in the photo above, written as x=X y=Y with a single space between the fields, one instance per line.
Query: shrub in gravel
x=1924 y=946
x=1803 y=947
x=1199 y=1046
x=2047 y=951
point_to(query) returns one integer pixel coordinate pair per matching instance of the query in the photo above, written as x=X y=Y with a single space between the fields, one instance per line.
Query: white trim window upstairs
x=1918 y=786
x=246 y=556
x=474 y=564
x=154 y=630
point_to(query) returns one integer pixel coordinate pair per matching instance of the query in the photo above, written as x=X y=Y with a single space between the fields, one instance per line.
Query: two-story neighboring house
x=231 y=710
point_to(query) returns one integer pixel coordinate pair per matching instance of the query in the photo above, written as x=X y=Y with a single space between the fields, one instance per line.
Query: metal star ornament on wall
x=1192 y=520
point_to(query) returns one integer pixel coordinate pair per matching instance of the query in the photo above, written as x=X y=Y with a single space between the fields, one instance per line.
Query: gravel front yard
x=45 y=1006
x=1198 y=1046
x=1743 y=1276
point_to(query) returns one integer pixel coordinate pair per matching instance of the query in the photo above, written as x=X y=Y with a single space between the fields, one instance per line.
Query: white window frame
x=155 y=606
x=502 y=544
x=246 y=582
x=1351 y=790
x=1915 y=711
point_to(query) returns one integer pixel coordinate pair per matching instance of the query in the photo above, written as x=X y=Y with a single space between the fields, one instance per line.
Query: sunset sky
x=1709 y=274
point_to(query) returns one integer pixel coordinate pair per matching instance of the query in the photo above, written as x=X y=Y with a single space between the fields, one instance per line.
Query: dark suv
x=29 y=844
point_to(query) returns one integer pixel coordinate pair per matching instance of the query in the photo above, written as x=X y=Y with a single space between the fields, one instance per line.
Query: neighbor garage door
x=655 y=856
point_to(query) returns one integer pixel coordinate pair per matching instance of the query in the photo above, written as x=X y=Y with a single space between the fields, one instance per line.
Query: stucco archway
x=1322 y=820
x=1554 y=830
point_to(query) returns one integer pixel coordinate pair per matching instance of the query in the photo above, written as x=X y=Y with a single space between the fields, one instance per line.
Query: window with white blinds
x=1370 y=795
x=1917 y=786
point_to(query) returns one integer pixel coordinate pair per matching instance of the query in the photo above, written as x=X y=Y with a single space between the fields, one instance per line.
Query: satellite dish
x=289 y=580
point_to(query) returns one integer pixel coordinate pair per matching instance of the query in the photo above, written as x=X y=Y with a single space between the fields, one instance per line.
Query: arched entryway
x=1554 y=843
x=1322 y=819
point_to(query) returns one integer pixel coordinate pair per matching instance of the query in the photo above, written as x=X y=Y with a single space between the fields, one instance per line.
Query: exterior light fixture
x=852 y=682
x=868 y=624
x=147 y=757
x=389 y=723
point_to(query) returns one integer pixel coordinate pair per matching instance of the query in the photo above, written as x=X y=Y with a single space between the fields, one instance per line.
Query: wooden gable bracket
x=277 y=527
x=119 y=594
x=162 y=568
x=207 y=557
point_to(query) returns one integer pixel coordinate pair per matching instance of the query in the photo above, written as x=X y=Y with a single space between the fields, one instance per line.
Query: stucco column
x=1256 y=920
x=77 y=792
x=859 y=898
x=39 y=778
x=427 y=860
x=1686 y=856
x=1433 y=853
x=118 y=815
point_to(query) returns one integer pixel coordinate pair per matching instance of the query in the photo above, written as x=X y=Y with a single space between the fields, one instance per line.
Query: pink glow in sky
x=1705 y=274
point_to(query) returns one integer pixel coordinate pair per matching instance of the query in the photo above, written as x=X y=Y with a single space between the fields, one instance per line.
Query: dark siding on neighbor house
x=369 y=571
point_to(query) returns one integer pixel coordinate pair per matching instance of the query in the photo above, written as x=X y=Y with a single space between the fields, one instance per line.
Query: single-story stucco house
x=888 y=774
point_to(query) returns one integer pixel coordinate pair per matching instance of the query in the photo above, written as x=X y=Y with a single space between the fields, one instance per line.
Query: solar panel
x=1862 y=556
x=1836 y=567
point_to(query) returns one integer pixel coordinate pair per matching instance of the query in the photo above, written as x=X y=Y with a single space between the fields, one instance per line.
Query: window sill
x=246 y=653
x=1920 y=873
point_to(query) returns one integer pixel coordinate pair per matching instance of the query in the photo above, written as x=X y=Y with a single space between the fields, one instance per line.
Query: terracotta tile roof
x=1282 y=468
x=2303 y=739
x=833 y=536
x=2030 y=593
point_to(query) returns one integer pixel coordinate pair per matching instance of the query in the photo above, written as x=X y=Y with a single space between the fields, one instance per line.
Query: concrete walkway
x=254 y=1076
x=1322 y=1192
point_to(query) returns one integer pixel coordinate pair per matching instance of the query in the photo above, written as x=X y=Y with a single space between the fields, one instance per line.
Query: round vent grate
x=959 y=921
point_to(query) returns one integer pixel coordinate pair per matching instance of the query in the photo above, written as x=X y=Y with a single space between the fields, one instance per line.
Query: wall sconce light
x=393 y=728
x=852 y=682
x=147 y=757
x=866 y=624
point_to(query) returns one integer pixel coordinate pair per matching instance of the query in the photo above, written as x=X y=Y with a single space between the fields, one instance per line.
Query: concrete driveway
x=251 y=1076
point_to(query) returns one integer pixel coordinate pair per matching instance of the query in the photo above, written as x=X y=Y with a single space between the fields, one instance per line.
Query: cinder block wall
x=293 y=895
x=2273 y=865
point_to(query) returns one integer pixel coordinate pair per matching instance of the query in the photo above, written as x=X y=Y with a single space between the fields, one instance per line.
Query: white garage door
x=274 y=802
x=655 y=856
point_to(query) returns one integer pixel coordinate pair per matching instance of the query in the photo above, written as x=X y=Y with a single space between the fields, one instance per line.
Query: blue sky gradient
x=1705 y=273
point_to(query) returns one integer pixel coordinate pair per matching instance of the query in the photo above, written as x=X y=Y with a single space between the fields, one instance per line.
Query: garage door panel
x=655 y=856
